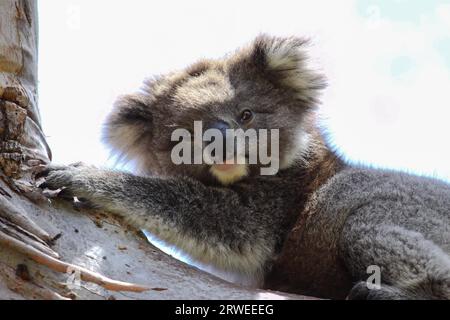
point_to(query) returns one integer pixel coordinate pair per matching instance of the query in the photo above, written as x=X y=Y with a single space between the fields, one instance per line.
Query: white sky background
x=388 y=64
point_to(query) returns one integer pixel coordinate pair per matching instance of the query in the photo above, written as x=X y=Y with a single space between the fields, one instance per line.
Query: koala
x=314 y=227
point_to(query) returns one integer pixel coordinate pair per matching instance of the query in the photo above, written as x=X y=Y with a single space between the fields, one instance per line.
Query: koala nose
x=222 y=126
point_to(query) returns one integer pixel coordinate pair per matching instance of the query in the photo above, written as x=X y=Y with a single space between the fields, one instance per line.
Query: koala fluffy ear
x=284 y=61
x=129 y=122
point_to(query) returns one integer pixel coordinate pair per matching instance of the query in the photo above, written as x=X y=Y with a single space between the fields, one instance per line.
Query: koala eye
x=246 y=116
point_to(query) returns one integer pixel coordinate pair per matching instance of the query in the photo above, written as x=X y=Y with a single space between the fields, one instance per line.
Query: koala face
x=265 y=85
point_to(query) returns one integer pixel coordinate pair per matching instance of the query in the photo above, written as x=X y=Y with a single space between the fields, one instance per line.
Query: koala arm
x=213 y=225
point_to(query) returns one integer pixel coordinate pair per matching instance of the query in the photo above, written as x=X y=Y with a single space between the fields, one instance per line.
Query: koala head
x=265 y=85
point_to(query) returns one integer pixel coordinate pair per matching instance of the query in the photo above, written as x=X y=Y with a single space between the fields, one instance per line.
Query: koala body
x=313 y=228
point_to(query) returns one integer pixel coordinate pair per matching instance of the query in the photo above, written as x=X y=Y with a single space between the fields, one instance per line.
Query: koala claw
x=70 y=180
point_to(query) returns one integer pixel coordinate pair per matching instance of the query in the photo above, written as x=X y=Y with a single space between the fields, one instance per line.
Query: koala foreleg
x=213 y=225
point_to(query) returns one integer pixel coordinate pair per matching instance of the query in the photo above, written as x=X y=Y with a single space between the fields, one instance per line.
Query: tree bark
x=49 y=250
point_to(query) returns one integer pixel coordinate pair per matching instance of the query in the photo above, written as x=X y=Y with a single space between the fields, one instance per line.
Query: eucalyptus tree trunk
x=49 y=250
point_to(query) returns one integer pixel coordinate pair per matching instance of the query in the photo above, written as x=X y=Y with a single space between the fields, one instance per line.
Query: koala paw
x=361 y=292
x=70 y=181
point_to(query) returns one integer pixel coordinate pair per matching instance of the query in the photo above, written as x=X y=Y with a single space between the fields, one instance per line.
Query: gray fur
x=353 y=217
x=396 y=221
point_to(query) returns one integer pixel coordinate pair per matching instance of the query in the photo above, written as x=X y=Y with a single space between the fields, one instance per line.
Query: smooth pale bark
x=33 y=263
